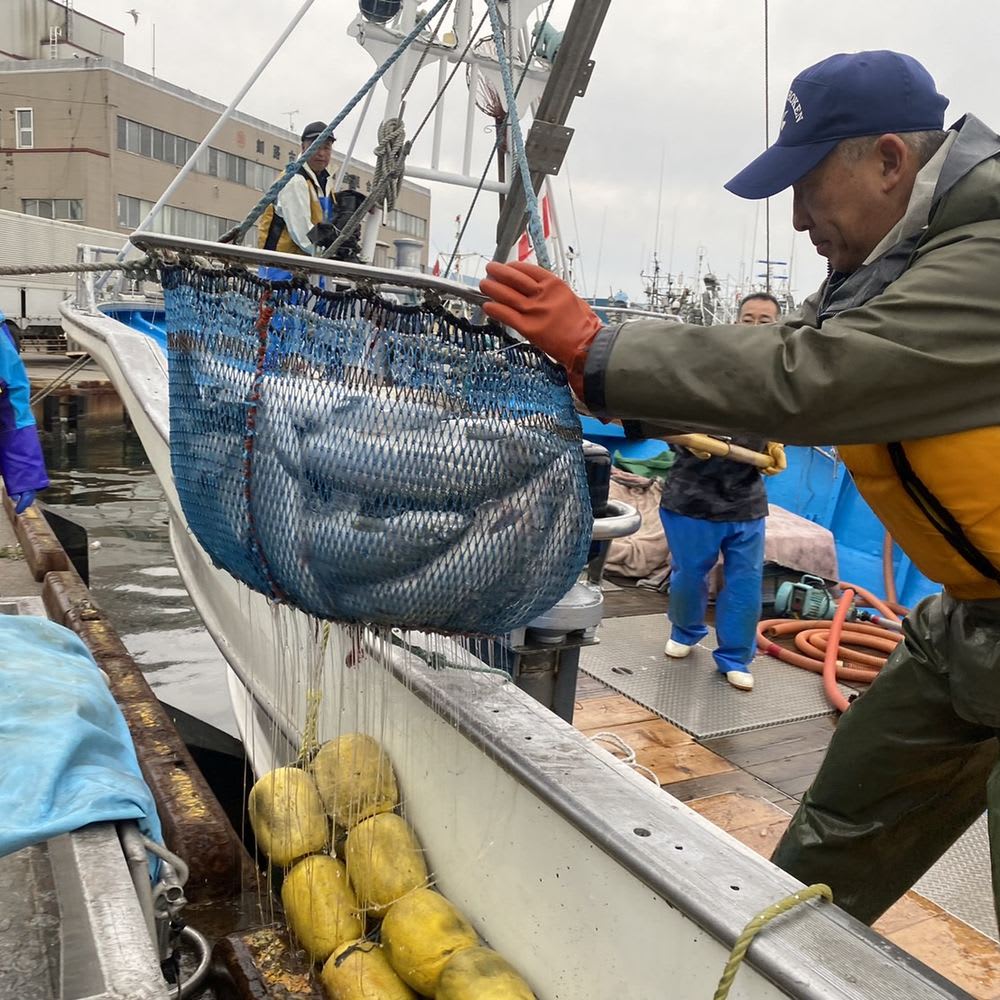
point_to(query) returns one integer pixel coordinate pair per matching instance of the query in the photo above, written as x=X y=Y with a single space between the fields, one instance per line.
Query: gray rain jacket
x=918 y=355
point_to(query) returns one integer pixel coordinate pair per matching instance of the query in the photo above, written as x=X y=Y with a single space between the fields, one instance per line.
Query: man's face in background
x=756 y=312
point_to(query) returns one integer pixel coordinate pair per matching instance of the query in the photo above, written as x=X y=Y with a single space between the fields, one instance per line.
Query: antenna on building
x=291 y=119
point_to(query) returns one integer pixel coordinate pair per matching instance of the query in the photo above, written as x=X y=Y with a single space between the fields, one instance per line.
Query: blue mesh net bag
x=372 y=462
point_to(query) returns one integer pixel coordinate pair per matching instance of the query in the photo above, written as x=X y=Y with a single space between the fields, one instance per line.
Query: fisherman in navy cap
x=300 y=220
x=896 y=360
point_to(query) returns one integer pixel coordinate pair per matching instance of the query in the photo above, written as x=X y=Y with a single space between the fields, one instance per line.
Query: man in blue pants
x=21 y=462
x=712 y=506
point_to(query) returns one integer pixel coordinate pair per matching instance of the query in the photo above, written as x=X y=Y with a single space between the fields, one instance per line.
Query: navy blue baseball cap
x=847 y=95
x=313 y=129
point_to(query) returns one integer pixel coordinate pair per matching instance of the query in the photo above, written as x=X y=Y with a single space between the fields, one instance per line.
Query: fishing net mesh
x=372 y=462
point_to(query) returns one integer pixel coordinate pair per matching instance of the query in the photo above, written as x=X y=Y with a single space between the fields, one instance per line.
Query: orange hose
x=830 y=688
x=773 y=627
x=826 y=646
x=869 y=599
x=888 y=572
x=819 y=639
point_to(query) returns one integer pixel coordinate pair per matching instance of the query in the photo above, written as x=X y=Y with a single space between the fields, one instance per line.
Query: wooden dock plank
x=793 y=775
x=729 y=781
x=649 y=733
x=775 y=742
x=588 y=687
x=969 y=959
x=682 y=762
x=667 y=751
x=734 y=811
x=607 y=712
x=630 y=601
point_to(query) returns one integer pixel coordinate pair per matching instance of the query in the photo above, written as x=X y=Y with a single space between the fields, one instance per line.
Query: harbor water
x=103 y=482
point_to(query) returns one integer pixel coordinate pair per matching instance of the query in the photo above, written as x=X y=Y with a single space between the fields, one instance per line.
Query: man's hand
x=778 y=460
x=544 y=310
x=22 y=501
x=323 y=234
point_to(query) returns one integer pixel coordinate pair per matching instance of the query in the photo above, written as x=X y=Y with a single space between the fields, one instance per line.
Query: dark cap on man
x=847 y=95
x=314 y=129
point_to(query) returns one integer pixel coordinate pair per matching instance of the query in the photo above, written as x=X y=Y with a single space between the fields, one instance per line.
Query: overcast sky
x=677 y=84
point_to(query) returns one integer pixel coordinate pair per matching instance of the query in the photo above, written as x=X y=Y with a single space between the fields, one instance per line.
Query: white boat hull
x=590 y=879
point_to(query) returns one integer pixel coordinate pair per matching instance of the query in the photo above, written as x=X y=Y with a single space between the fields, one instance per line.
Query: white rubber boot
x=676 y=649
x=740 y=679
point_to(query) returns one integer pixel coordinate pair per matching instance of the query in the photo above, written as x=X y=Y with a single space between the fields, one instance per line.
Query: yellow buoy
x=384 y=861
x=359 y=970
x=355 y=779
x=420 y=933
x=320 y=905
x=287 y=815
x=481 y=974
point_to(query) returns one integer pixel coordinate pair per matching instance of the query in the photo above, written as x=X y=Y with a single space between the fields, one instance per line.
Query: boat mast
x=548 y=137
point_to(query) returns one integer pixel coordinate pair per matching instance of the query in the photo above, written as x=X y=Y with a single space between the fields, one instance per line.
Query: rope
x=629 y=755
x=388 y=179
x=391 y=152
x=236 y=234
x=530 y=199
x=138 y=266
x=762 y=919
x=314 y=698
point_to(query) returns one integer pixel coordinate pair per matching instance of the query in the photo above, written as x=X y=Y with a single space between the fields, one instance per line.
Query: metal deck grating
x=690 y=693
x=960 y=881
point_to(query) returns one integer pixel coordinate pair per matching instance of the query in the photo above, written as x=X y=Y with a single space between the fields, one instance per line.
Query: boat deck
x=749 y=781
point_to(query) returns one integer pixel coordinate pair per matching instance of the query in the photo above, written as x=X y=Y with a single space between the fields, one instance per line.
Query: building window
x=352 y=182
x=166 y=147
x=276 y=153
x=260 y=146
x=404 y=222
x=24 y=127
x=70 y=209
x=174 y=221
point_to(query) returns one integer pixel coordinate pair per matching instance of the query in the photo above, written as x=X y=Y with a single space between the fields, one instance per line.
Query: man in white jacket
x=304 y=202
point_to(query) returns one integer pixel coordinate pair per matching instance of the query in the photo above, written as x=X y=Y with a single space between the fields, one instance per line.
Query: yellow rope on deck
x=762 y=919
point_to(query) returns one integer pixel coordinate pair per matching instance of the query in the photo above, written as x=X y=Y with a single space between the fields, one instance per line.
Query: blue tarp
x=66 y=755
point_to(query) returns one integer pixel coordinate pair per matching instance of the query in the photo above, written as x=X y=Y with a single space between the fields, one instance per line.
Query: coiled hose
x=829 y=646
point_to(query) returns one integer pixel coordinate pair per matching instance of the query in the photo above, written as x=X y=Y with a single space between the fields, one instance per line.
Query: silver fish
x=346 y=547
x=470 y=460
x=495 y=559
x=314 y=405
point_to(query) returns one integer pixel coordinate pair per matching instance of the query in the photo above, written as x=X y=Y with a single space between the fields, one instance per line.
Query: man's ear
x=895 y=161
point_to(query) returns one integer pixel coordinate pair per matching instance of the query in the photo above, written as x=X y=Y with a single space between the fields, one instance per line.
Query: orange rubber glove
x=545 y=310
x=778 y=460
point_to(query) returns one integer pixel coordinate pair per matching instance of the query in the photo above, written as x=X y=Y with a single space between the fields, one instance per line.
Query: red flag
x=524 y=247
x=437 y=268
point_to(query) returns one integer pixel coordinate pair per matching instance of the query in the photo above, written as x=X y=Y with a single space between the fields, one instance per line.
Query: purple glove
x=22 y=501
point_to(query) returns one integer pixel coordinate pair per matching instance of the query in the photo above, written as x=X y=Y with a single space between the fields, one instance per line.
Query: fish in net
x=370 y=462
